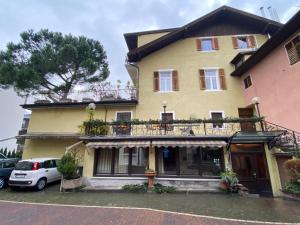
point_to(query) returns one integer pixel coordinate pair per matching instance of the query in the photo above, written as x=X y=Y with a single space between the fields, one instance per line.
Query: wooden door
x=251 y=168
x=246 y=126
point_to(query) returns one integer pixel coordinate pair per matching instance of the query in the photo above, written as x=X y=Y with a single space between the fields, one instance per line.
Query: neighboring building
x=179 y=74
x=24 y=127
x=273 y=74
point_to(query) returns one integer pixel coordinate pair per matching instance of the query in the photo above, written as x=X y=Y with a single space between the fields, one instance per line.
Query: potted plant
x=229 y=181
x=150 y=174
x=68 y=167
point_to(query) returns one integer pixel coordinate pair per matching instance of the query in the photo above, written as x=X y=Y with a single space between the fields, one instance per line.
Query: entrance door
x=247 y=113
x=252 y=171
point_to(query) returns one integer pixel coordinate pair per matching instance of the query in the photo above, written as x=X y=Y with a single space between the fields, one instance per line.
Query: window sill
x=209 y=51
x=163 y=92
x=214 y=90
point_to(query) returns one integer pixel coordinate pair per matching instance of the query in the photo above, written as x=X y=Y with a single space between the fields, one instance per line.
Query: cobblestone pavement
x=41 y=214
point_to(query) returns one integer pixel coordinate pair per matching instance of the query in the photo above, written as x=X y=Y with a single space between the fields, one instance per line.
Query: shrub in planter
x=68 y=167
x=135 y=188
x=292 y=187
x=229 y=181
x=293 y=167
x=159 y=188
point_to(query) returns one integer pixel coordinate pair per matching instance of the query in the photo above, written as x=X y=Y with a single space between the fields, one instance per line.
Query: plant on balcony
x=95 y=127
x=229 y=181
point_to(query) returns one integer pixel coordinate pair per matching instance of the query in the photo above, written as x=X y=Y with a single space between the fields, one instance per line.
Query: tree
x=51 y=63
x=5 y=151
x=1 y=150
x=9 y=154
x=13 y=154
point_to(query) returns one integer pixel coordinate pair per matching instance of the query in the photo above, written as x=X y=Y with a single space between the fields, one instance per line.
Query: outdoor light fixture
x=164 y=105
x=92 y=106
x=256 y=102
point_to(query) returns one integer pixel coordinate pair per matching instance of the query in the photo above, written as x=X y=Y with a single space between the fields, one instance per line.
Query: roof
x=131 y=38
x=262 y=24
x=278 y=38
x=240 y=55
x=80 y=104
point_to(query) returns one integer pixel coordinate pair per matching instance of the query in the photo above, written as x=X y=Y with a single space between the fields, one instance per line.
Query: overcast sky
x=106 y=21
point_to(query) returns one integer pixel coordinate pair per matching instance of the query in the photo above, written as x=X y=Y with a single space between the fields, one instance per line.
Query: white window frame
x=246 y=35
x=287 y=54
x=249 y=75
x=116 y=114
x=218 y=78
x=223 y=116
x=171 y=76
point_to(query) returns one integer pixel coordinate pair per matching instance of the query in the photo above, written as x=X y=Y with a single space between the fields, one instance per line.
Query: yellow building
x=183 y=118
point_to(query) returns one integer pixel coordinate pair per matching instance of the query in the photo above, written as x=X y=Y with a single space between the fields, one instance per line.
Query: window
x=247 y=82
x=212 y=79
x=293 y=50
x=207 y=44
x=120 y=130
x=167 y=117
x=242 y=42
x=165 y=81
x=217 y=116
x=9 y=164
x=121 y=161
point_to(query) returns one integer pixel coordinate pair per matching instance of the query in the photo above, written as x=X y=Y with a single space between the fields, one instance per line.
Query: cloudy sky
x=106 y=21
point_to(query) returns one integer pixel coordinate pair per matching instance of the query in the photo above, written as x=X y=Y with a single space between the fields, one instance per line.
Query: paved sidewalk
x=41 y=214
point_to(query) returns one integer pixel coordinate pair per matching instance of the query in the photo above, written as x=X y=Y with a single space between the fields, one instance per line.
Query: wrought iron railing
x=84 y=96
x=288 y=140
x=225 y=127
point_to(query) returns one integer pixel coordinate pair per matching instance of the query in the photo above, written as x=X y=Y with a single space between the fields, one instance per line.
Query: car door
x=49 y=170
x=7 y=168
x=57 y=175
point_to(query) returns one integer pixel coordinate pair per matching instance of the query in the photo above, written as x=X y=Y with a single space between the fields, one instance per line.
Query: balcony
x=152 y=128
x=81 y=97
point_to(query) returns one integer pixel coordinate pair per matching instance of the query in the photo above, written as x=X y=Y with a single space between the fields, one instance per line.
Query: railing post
x=262 y=125
x=295 y=140
x=204 y=125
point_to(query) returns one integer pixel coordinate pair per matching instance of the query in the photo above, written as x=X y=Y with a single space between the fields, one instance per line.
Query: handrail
x=293 y=131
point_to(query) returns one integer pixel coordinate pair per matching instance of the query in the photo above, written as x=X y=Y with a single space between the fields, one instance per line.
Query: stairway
x=288 y=140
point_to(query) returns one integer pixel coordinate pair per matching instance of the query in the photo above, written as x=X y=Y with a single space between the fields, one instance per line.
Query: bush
x=292 y=187
x=229 y=181
x=135 y=188
x=293 y=167
x=159 y=189
x=68 y=167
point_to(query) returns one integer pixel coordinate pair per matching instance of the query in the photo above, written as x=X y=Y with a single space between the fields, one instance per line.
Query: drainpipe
x=138 y=77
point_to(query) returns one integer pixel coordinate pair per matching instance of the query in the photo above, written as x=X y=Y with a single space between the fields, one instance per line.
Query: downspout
x=138 y=78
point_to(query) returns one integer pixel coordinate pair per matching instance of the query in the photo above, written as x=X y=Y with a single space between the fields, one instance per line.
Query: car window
x=0 y=165
x=9 y=164
x=24 y=165
x=54 y=163
x=49 y=164
x=57 y=161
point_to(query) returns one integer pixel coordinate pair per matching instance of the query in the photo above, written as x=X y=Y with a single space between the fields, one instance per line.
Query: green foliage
x=229 y=181
x=135 y=188
x=293 y=167
x=9 y=154
x=52 y=63
x=68 y=167
x=292 y=187
x=95 y=127
x=5 y=152
x=159 y=189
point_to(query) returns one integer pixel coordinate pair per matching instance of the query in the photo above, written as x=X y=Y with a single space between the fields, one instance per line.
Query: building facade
x=188 y=119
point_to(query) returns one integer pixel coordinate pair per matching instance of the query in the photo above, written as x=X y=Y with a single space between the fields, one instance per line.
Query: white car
x=34 y=173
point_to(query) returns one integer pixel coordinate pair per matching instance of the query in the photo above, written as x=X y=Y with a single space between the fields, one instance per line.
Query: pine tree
x=13 y=154
x=5 y=152
x=1 y=150
x=8 y=154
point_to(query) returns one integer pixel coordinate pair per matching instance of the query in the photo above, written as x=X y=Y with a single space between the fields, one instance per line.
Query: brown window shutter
x=222 y=79
x=215 y=44
x=235 y=42
x=202 y=79
x=156 y=81
x=251 y=41
x=198 y=44
x=175 y=80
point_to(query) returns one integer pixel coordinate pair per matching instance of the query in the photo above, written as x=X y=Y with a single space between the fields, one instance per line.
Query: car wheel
x=41 y=184
x=2 y=182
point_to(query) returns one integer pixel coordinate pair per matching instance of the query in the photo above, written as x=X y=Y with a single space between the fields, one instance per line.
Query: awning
x=189 y=143
x=118 y=144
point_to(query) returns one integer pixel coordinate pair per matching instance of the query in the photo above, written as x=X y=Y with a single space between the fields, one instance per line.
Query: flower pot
x=150 y=176
x=72 y=184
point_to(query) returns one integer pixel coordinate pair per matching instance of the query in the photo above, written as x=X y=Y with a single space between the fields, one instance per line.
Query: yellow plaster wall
x=273 y=171
x=68 y=120
x=146 y=38
x=183 y=57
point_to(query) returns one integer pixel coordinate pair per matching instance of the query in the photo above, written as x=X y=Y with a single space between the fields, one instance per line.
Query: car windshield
x=24 y=165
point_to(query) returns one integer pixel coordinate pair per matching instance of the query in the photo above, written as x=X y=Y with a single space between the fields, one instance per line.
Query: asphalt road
x=42 y=214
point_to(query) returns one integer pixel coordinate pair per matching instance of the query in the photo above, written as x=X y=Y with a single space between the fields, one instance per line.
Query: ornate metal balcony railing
x=288 y=140
x=85 y=96
x=225 y=127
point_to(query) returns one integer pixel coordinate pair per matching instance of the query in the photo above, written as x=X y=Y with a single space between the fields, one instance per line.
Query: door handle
x=254 y=174
x=46 y=170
